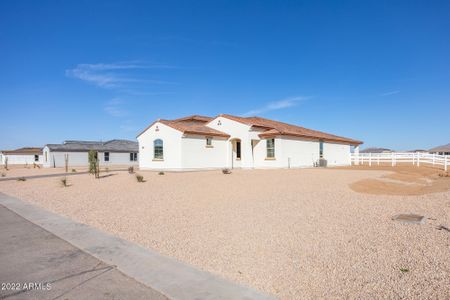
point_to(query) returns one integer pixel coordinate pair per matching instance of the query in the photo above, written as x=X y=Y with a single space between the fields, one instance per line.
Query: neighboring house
x=22 y=156
x=225 y=141
x=114 y=152
x=442 y=150
x=376 y=150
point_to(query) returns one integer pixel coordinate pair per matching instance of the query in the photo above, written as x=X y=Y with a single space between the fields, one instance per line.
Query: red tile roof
x=196 y=124
x=276 y=128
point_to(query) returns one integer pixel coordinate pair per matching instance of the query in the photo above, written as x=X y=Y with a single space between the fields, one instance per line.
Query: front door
x=236 y=154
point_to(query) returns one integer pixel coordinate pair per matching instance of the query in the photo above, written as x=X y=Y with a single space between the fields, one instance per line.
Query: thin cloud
x=114 y=108
x=276 y=105
x=389 y=93
x=115 y=75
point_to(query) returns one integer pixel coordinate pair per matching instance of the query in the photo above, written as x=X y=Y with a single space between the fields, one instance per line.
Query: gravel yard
x=294 y=234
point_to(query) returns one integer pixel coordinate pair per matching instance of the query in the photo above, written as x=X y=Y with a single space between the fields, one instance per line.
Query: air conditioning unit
x=322 y=162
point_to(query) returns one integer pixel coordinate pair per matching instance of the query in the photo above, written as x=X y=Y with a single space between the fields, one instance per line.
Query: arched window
x=158 y=149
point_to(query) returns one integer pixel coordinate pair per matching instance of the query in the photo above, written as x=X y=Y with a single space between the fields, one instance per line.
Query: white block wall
x=21 y=159
x=336 y=154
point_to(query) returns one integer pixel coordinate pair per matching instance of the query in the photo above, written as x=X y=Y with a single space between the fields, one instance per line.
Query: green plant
x=131 y=170
x=74 y=170
x=94 y=167
x=161 y=173
x=64 y=182
x=140 y=178
x=404 y=270
x=21 y=179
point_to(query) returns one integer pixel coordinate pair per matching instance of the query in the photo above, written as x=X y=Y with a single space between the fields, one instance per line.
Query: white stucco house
x=110 y=153
x=22 y=156
x=226 y=141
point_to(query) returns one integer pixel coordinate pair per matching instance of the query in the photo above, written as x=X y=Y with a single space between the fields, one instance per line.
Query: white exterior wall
x=81 y=159
x=57 y=159
x=297 y=152
x=172 y=148
x=336 y=154
x=116 y=158
x=21 y=159
x=236 y=130
x=196 y=155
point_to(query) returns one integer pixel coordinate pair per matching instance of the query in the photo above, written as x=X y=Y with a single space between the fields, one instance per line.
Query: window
x=158 y=149
x=133 y=156
x=209 y=142
x=270 y=146
x=106 y=156
x=321 y=149
x=36 y=157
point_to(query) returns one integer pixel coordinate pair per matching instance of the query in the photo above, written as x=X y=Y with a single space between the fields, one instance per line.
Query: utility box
x=322 y=163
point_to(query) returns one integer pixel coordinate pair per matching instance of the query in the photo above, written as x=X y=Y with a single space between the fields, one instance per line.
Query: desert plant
x=140 y=178
x=160 y=173
x=131 y=170
x=404 y=270
x=3 y=174
x=66 y=162
x=74 y=170
x=21 y=179
x=107 y=170
x=94 y=165
x=64 y=182
x=226 y=171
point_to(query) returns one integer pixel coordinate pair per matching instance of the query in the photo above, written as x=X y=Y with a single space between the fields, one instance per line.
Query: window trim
x=155 y=157
x=272 y=157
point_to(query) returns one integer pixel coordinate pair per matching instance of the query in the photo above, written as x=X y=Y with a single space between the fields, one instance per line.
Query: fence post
x=370 y=159
x=392 y=158
x=445 y=163
x=434 y=158
x=418 y=159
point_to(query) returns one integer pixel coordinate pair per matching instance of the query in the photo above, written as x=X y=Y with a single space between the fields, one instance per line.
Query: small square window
x=209 y=141
x=106 y=156
x=133 y=156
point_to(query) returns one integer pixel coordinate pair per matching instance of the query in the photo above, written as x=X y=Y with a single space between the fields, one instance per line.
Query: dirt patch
x=403 y=180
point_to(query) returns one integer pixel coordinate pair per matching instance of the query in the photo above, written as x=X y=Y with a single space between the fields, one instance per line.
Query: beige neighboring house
x=441 y=150
x=22 y=156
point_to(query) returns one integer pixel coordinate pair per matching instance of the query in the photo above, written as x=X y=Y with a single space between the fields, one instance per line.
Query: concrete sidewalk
x=30 y=254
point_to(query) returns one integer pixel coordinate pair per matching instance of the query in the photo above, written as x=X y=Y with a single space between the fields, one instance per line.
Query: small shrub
x=21 y=179
x=226 y=171
x=3 y=174
x=404 y=270
x=140 y=178
x=74 y=170
x=131 y=170
x=106 y=169
x=64 y=182
x=161 y=173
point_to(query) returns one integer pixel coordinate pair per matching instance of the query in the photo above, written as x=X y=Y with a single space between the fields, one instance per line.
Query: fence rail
x=394 y=158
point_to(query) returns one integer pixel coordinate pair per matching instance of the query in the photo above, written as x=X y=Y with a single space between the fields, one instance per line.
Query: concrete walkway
x=163 y=274
x=30 y=254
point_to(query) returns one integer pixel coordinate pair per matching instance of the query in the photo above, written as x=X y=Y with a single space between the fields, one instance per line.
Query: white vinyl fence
x=394 y=158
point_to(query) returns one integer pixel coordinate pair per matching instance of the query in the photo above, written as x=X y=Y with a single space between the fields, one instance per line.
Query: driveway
x=36 y=264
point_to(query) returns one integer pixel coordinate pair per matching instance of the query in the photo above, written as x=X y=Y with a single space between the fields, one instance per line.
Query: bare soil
x=402 y=180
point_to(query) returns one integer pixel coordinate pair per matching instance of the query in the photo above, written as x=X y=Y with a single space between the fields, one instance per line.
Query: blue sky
x=378 y=71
